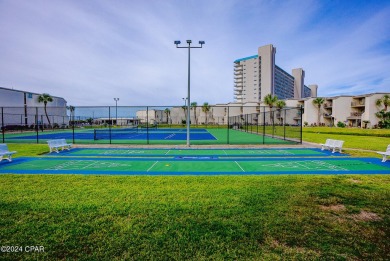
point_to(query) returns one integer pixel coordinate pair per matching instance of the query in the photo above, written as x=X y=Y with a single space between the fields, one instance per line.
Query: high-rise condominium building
x=258 y=75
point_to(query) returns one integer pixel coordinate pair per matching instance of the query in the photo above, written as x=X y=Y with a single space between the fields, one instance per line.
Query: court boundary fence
x=267 y=124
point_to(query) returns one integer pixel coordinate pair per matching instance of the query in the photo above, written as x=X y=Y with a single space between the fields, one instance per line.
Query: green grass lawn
x=196 y=218
x=354 y=138
x=300 y=217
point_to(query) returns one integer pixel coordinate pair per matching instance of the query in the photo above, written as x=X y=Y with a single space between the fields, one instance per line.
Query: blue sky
x=92 y=51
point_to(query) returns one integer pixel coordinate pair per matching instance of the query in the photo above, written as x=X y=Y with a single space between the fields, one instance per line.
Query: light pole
x=188 y=91
x=116 y=110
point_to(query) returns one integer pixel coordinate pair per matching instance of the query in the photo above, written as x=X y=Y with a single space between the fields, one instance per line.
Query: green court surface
x=194 y=166
x=282 y=152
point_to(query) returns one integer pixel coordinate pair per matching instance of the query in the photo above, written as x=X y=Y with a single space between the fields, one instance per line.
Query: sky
x=90 y=52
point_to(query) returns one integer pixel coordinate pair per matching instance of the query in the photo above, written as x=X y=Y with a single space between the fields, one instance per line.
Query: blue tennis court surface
x=124 y=134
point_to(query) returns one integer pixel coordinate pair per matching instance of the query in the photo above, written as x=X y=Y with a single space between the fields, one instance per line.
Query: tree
x=193 y=107
x=271 y=100
x=384 y=119
x=206 y=108
x=385 y=100
x=280 y=104
x=185 y=113
x=168 y=113
x=71 y=114
x=45 y=98
x=318 y=102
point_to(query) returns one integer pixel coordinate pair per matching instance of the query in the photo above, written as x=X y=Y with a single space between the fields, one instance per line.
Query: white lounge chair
x=5 y=153
x=385 y=154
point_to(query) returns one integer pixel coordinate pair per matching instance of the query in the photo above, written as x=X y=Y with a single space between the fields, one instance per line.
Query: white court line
x=170 y=136
x=239 y=166
x=152 y=166
x=167 y=152
x=225 y=152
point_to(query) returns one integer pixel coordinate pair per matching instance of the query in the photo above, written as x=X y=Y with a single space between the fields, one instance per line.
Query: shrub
x=341 y=124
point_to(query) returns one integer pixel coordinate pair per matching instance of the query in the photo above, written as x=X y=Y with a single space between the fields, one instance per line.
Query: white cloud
x=90 y=52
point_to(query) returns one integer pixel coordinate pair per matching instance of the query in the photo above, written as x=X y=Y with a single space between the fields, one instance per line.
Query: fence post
x=301 y=122
x=73 y=121
x=147 y=124
x=228 y=125
x=2 y=123
x=284 y=124
x=263 y=125
x=36 y=123
x=109 y=122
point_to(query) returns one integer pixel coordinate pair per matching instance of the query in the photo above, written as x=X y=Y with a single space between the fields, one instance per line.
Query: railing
x=327 y=115
x=356 y=114
x=356 y=104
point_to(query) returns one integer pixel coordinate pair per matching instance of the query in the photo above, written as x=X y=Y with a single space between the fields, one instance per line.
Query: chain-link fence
x=153 y=125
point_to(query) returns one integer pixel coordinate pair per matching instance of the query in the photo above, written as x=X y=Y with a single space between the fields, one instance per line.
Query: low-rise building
x=21 y=108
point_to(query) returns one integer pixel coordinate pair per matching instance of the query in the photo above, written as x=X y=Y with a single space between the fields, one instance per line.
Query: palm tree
x=167 y=112
x=185 y=112
x=71 y=110
x=385 y=100
x=193 y=107
x=206 y=109
x=280 y=104
x=318 y=102
x=271 y=100
x=45 y=98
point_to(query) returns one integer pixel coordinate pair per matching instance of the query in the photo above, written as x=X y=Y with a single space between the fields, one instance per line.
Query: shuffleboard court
x=174 y=152
x=194 y=166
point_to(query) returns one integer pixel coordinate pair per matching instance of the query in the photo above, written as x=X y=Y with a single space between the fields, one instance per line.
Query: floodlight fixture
x=201 y=42
x=189 y=41
x=177 y=42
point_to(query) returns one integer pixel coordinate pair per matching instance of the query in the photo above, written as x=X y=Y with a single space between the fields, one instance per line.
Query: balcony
x=327 y=115
x=358 y=103
x=297 y=116
x=355 y=116
x=328 y=105
x=238 y=77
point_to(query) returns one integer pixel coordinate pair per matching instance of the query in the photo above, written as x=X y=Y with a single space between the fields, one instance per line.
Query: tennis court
x=194 y=162
x=149 y=136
